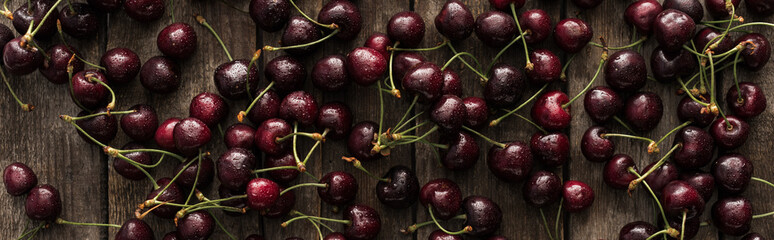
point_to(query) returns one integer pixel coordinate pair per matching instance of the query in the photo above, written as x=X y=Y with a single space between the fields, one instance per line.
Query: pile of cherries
x=677 y=183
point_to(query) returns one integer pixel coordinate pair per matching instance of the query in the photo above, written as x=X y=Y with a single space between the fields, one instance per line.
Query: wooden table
x=92 y=192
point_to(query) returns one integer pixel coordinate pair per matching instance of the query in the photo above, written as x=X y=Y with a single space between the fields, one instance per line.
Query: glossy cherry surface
x=462 y=153
x=641 y=15
x=142 y=124
x=239 y=136
x=365 y=222
x=330 y=73
x=262 y=193
x=300 y=107
x=267 y=133
x=298 y=31
x=233 y=80
x=190 y=134
x=661 y=176
x=552 y=149
x=197 y=225
x=145 y=10
x=21 y=60
x=160 y=75
x=359 y=142
x=424 y=80
x=669 y=66
x=572 y=34
x=543 y=188
x=172 y=193
x=625 y=71
x=449 y=112
x=165 y=136
x=701 y=181
x=87 y=90
x=345 y=15
x=134 y=229
x=407 y=28
x=365 y=65
x=443 y=196
x=495 y=29
x=270 y=15
x=672 y=29
x=616 y=172
x=402 y=189
x=729 y=137
x=747 y=103
x=602 y=104
x=690 y=110
x=55 y=67
x=102 y=128
x=18 y=179
x=26 y=14
x=454 y=21
x=483 y=214
x=336 y=117
x=595 y=147
x=341 y=188
x=178 y=40
x=732 y=173
x=505 y=85
x=538 y=22
x=678 y=198
x=121 y=65
x=127 y=170
x=696 y=150
x=511 y=163
x=643 y=111
x=732 y=215
x=200 y=172
x=577 y=196
x=379 y=42
x=477 y=112
x=693 y=8
x=547 y=67
x=638 y=230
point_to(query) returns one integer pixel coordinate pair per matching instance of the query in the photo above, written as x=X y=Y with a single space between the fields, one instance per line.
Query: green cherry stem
x=459 y=56
x=299 y=164
x=558 y=216
x=634 y=44
x=633 y=183
x=545 y=223
x=502 y=51
x=681 y=126
x=242 y=114
x=394 y=91
x=220 y=225
x=29 y=35
x=484 y=79
x=651 y=143
x=112 y=103
x=294 y=212
x=178 y=157
x=204 y=23
x=262 y=170
x=285 y=224
x=752 y=24
x=531 y=123
x=397 y=49
x=24 y=106
x=70 y=70
x=771 y=185
x=328 y=26
x=563 y=76
x=409 y=121
x=62 y=38
x=314 y=147
x=173 y=180
x=529 y=65
x=32 y=232
x=652 y=194
x=690 y=94
x=256 y=55
x=102 y=113
x=68 y=119
x=402 y=135
x=65 y=222
x=739 y=98
x=196 y=179
x=413 y=103
x=464 y=230
x=413 y=228
x=623 y=124
x=357 y=164
x=270 y=48
x=498 y=120
x=313 y=136
x=377 y=148
x=7 y=13
x=499 y=144
x=657 y=234
x=593 y=79
x=319 y=185
x=682 y=228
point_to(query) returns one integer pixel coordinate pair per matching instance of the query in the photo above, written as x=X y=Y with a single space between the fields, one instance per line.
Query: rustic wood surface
x=92 y=192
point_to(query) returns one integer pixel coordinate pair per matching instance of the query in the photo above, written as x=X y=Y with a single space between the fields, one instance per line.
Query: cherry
x=102 y=128
x=729 y=138
x=549 y=111
x=188 y=175
x=440 y=235
x=401 y=190
x=404 y=61
x=267 y=133
x=708 y=36
x=425 y=81
x=209 y=108
x=283 y=175
x=752 y=236
x=337 y=118
x=483 y=214
x=625 y=71
x=443 y=196
x=693 y=8
x=379 y=42
x=717 y=8
x=79 y=20
x=454 y=21
x=476 y=111
x=239 y=136
x=701 y=181
x=171 y=236
x=341 y=188
x=197 y=225
x=360 y=141
x=696 y=150
x=121 y=65
x=190 y=134
x=449 y=112
x=282 y=206
x=262 y=193
x=750 y=103
x=172 y=194
x=679 y=197
x=266 y=108
x=164 y=136
x=760 y=7
x=732 y=215
x=572 y=34
x=538 y=22
x=732 y=173
x=365 y=65
x=232 y=81
x=345 y=15
x=270 y=15
x=756 y=58
x=298 y=31
x=335 y=236
x=144 y=10
x=299 y=106
x=127 y=170
x=86 y=91
x=595 y=147
x=140 y=125
x=505 y=86
x=495 y=29
x=406 y=28
x=616 y=172
x=511 y=162
x=160 y=75
x=225 y=192
x=106 y=5
x=602 y=104
x=552 y=149
x=178 y=40
x=365 y=222
x=547 y=67
x=330 y=73
x=21 y=60
x=254 y=237
x=643 y=111
x=543 y=188
x=660 y=177
x=668 y=66
x=641 y=14
x=18 y=179
x=672 y=29
x=690 y=110
x=54 y=69
x=452 y=84
x=26 y=14
x=638 y=230
x=463 y=151
x=505 y=4
x=43 y=203
x=5 y=36
x=691 y=226
x=577 y=196
x=135 y=229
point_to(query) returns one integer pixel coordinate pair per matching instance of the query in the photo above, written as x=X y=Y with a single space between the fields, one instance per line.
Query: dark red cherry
x=55 y=67
x=267 y=107
x=543 y=188
x=165 y=136
x=407 y=28
x=87 y=91
x=668 y=66
x=239 y=136
x=330 y=73
x=5 y=36
x=696 y=150
x=209 y=108
x=379 y=42
x=127 y=170
x=732 y=215
x=505 y=85
x=121 y=65
x=365 y=65
x=752 y=236
x=360 y=141
x=402 y=189
x=26 y=14
x=404 y=61
x=708 y=36
x=483 y=214
x=552 y=149
x=341 y=188
x=511 y=163
x=365 y=222
x=679 y=197
x=287 y=72
x=660 y=177
x=232 y=81
x=638 y=230
x=732 y=173
x=262 y=193
x=595 y=147
x=134 y=229
x=282 y=206
x=672 y=29
x=454 y=21
x=300 y=30
x=549 y=113
x=449 y=112
x=443 y=196
x=760 y=7
x=345 y=15
x=171 y=236
x=142 y=124
x=538 y=22
x=547 y=67
x=160 y=75
x=506 y=4
x=477 y=112
x=106 y=5
x=616 y=172
x=625 y=71
x=188 y=175
x=577 y=196
x=336 y=118
x=602 y=104
x=267 y=133
x=43 y=203
x=690 y=110
x=18 y=179
x=224 y=192
x=270 y=15
x=299 y=106
x=254 y=237
x=440 y=235
x=144 y=10
x=643 y=111
x=103 y=128
x=757 y=54
x=178 y=40
x=717 y=8
x=641 y=14
x=729 y=137
x=284 y=175
x=21 y=60
x=572 y=34
x=452 y=84
x=335 y=236
x=462 y=152
x=197 y=225
x=750 y=103
x=495 y=29
x=701 y=181
x=172 y=194
x=190 y=134
x=693 y=8
x=424 y=80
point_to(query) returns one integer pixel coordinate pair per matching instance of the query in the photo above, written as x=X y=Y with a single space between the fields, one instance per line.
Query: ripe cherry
x=26 y=14
x=552 y=149
x=505 y=85
x=54 y=69
x=190 y=134
x=102 y=128
x=543 y=188
x=759 y=7
x=616 y=172
x=756 y=58
x=668 y=66
x=477 y=112
x=160 y=75
x=672 y=29
x=267 y=133
x=549 y=111
x=121 y=65
x=5 y=36
x=282 y=206
x=679 y=197
x=748 y=103
x=688 y=230
x=299 y=106
x=205 y=169
x=572 y=34
x=266 y=108
x=602 y=104
x=454 y=21
x=43 y=203
x=142 y=124
x=643 y=111
x=134 y=229
x=232 y=81
x=452 y=84
x=18 y=179
x=127 y=170
x=443 y=196
x=341 y=188
x=577 y=196
x=641 y=14
x=425 y=81
x=366 y=65
x=224 y=192
x=164 y=136
x=732 y=215
x=547 y=67
x=638 y=230
x=262 y=193
x=595 y=147
x=463 y=151
x=511 y=162
x=404 y=61
x=21 y=60
x=298 y=31
x=495 y=29
x=171 y=236
x=693 y=8
x=701 y=181
x=379 y=42
x=239 y=136
x=337 y=118
x=732 y=173
x=449 y=112
x=690 y=110
x=360 y=141
x=660 y=177
x=440 y=235
x=270 y=15
x=538 y=22
x=144 y=10
x=87 y=91
x=365 y=222
x=708 y=36
x=178 y=40
x=697 y=148
x=330 y=73
x=505 y=4
x=717 y=8
x=196 y=225
x=625 y=71
x=345 y=15
x=407 y=28
x=283 y=175
x=729 y=133
x=172 y=194
x=401 y=190
x=483 y=214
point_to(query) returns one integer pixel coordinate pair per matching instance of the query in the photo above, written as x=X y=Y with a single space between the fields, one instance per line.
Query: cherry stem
x=294 y=212
x=256 y=55
x=171 y=10
x=545 y=223
x=464 y=230
x=685 y=124
x=313 y=136
x=220 y=225
x=181 y=158
x=29 y=35
x=652 y=194
x=270 y=48
x=655 y=235
x=112 y=103
x=299 y=164
x=563 y=76
x=729 y=52
x=499 y=144
x=8 y=14
x=401 y=135
x=357 y=164
x=484 y=79
x=682 y=228
x=763 y=181
x=381 y=115
x=752 y=24
x=408 y=121
x=712 y=79
x=319 y=185
x=498 y=120
x=328 y=26
x=65 y=118
x=24 y=106
x=529 y=66
x=102 y=113
x=274 y=169
x=33 y=231
x=413 y=139
x=285 y=224
x=531 y=123
x=242 y=114
x=392 y=82
x=690 y=94
x=605 y=135
x=62 y=221
x=763 y=215
x=622 y=123
x=634 y=44
x=196 y=179
x=175 y=178
x=400 y=123
x=413 y=228
x=633 y=183
x=314 y=147
x=459 y=56
x=61 y=38
x=558 y=216
x=204 y=23
x=70 y=85
x=397 y=49
x=588 y=86
x=739 y=98
x=500 y=53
